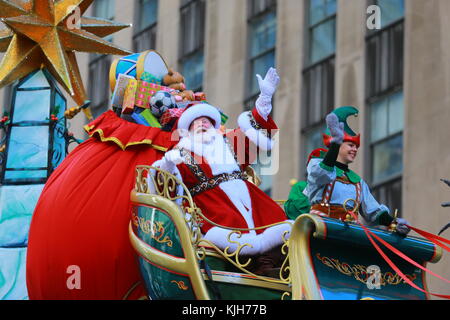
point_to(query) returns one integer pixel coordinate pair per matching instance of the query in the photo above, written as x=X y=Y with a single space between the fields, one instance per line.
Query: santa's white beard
x=200 y=136
x=212 y=147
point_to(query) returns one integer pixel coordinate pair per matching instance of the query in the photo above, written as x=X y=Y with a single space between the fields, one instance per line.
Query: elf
x=333 y=189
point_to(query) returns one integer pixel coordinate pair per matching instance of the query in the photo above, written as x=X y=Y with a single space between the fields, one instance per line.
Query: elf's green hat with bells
x=349 y=135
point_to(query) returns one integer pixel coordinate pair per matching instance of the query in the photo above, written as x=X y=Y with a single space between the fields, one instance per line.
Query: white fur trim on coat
x=197 y=111
x=255 y=136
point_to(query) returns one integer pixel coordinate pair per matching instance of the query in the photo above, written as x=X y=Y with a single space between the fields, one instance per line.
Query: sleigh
x=324 y=258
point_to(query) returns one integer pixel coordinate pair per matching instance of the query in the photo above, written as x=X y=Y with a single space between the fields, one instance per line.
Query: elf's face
x=347 y=152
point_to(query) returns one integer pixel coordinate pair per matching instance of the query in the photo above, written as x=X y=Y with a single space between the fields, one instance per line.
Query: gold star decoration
x=47 y=33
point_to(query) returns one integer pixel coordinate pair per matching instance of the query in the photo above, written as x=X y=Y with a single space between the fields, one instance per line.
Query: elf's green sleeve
x=297 y=202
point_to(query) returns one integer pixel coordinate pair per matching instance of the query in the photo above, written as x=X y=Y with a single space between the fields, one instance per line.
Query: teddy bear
x=187 y=95
x=175 y=80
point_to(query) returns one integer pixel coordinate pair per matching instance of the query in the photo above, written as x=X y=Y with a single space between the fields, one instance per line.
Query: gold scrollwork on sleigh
x=154 y=228
x=359 y=272
x=181 y=285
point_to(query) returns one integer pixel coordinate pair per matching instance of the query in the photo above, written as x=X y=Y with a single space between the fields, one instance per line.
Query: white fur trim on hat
x=197 y=111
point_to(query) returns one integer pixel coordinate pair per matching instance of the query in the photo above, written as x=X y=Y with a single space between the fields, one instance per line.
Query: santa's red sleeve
x=253 y=135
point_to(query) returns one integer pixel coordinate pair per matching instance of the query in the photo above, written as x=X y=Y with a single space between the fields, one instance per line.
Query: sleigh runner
x=324 y=258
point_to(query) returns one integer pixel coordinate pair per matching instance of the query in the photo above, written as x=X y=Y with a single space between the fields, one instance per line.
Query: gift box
x=119 y=90
x=145 y=90
x=170 y=114
x=129 y=97
x=150 y=118
x=200 y=96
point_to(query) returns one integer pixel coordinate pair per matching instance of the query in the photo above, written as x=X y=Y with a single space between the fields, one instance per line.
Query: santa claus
x=211 y=164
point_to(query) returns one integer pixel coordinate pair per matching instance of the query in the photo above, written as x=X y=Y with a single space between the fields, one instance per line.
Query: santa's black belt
x=213 y=182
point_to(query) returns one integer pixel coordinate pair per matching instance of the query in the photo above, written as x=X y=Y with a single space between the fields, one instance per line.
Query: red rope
x=400 y=254
x=433 y=238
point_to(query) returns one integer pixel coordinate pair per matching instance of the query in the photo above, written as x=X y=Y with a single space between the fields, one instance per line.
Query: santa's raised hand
x=267 y=87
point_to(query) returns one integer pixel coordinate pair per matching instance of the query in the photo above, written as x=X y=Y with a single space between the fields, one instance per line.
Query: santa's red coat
x=215 y=203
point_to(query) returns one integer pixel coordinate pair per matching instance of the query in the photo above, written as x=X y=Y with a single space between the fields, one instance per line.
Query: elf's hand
x=336 y=128
x=402 y=226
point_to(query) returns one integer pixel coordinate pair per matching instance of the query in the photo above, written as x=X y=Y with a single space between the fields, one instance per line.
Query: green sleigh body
x=326 y=259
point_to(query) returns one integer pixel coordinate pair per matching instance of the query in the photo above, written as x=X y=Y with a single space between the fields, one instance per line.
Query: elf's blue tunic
x=321 y=175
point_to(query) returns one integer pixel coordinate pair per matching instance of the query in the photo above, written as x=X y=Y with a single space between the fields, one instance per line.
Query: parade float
x=147 y=243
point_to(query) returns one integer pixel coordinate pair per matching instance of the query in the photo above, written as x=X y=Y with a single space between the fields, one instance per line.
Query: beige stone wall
x=289 y=63
x=225 y=56
x=427 y=118
x=168 y=29
x=349 y=69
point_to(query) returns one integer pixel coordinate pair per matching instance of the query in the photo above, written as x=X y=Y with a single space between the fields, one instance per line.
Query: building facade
x=328 y=53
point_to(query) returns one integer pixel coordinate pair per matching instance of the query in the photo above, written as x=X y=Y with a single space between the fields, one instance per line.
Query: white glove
x=336 y=128
x=267 y=87
x=170 y=160
x=174 y=156
x=402 y=227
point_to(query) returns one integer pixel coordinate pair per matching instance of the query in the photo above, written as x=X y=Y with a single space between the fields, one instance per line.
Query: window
x=384 y=96
x=321 y=29
x=384 y=54
x=318 y=75
x=146 y=14
x=262 y=30
x=99 y=64
x=192 y=34
x=35 y=145
x=262 y=40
